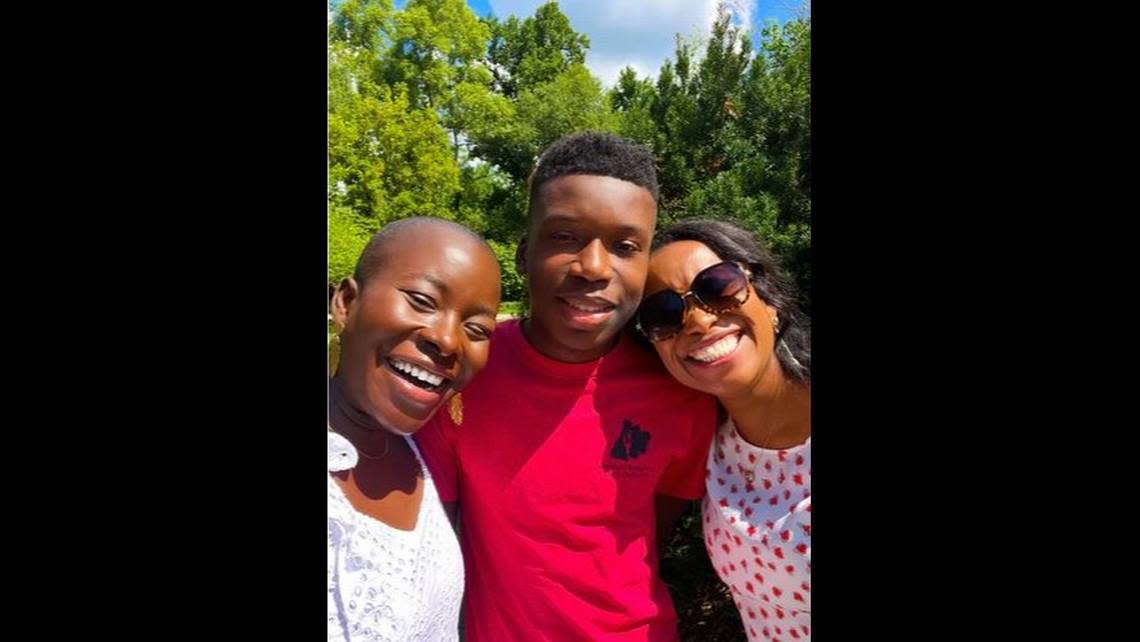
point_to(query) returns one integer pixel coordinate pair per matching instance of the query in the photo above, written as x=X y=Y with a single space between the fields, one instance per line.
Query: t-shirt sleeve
x=436 y=440
x=685 y=475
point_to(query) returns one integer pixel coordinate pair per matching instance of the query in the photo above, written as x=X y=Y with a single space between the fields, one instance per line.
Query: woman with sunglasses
x=724 y=321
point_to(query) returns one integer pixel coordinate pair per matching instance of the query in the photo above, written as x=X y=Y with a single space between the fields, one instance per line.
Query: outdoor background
x=440 y=108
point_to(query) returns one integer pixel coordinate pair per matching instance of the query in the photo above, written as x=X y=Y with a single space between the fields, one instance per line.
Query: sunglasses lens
x=661 y=315
x=723 y=286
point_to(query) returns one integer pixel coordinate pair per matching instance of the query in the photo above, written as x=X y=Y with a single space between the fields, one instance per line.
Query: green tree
x=514 y=285
x=386 y=160
x=632 y=100
x=434 y=45
x=347 y=238
x=572 y=101
x=733 y=135
x=715 y=89
x=433 y=111
x=776 y=134
x=362 y=24
x=524 y=54
x=675 y=112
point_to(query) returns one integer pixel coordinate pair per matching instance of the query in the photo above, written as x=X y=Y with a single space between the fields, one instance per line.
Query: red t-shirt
x=555 y=468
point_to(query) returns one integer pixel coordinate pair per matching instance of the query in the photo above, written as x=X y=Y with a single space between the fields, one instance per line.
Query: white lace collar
x=342 y=454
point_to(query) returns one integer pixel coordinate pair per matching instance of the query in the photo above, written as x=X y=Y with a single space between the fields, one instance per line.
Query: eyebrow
x=485 y=311
x=633 y=230
x=434 y=281
x=559 y=218
x=625 y=228
x=479 y=309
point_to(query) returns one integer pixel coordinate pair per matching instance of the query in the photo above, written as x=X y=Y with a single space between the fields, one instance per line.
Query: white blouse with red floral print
x=757 y=526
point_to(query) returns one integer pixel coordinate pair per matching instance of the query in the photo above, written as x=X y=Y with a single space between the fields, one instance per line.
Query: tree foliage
x=434 y=111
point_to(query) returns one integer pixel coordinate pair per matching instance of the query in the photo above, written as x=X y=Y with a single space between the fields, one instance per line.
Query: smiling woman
x=414 y=321
x=724 y=321
x=442 y=108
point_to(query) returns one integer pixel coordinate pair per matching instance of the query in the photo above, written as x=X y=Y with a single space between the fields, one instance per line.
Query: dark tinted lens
x=723 y=286
x=661 y=315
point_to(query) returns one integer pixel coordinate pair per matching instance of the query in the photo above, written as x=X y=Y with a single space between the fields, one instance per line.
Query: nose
x=697 y=319
x=443 y=335
x=593 y=262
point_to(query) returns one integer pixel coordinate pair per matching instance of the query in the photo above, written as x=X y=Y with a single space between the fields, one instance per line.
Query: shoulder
x=642 y=367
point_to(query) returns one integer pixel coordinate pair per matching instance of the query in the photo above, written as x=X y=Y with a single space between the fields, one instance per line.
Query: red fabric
x=555 y=468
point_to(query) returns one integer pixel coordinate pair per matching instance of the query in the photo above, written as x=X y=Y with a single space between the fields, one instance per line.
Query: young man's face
x=586 y=256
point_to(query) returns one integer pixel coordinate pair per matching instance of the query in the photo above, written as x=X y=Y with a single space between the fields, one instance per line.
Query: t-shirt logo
x=631 y=442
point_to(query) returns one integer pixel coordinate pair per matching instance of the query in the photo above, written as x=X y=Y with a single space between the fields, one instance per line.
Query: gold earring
x=455 y=409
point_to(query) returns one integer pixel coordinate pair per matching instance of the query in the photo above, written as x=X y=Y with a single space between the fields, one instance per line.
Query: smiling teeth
x=418 y=373
x=717 y=350
x=588 y=308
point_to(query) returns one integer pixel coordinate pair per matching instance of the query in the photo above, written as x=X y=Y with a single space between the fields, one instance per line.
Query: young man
x=574 y=448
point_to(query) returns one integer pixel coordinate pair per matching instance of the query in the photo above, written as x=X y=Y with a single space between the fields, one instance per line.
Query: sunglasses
x=716 y=289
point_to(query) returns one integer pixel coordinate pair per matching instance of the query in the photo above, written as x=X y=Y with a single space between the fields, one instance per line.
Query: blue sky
x=639 y=33
x=779 y=11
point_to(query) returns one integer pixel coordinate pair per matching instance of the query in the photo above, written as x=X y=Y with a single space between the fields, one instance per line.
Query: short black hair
x=732 y=242
x=595 y=154
x=374 y=255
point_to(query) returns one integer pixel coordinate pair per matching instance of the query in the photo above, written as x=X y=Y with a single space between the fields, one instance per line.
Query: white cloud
x=638 y=33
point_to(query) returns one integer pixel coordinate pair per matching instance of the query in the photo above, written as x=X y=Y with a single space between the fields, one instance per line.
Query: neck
x=547 y=346
x=775 y=413
x=354 y=424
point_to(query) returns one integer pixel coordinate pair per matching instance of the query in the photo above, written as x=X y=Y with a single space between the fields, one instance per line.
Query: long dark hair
x=733 y=243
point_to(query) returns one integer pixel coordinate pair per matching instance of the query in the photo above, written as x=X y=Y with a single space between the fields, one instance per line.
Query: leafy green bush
x=514 y=285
